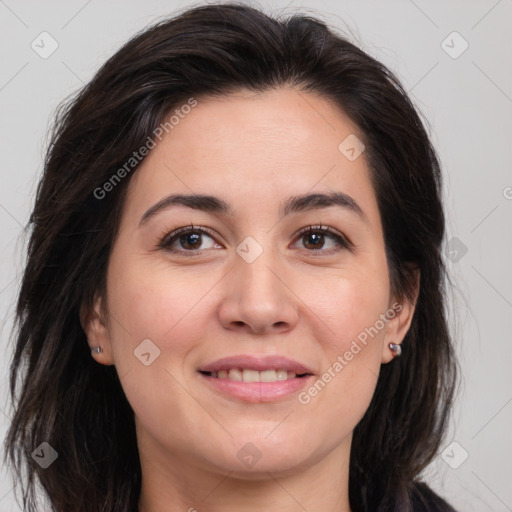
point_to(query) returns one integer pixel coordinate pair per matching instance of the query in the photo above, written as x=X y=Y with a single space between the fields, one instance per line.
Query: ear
x=96 y=329
x=399 y=325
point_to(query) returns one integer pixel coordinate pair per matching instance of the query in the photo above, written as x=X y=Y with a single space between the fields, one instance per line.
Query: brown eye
x=187 y=239
x=190 y=240
x=315 y=238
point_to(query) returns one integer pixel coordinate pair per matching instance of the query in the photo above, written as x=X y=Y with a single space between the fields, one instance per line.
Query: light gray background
x=468 y=103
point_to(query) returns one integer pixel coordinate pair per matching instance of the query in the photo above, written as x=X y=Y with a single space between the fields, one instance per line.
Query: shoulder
x=424 y=499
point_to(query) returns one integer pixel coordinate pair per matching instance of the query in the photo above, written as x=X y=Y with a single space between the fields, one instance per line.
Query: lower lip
x=257 y=391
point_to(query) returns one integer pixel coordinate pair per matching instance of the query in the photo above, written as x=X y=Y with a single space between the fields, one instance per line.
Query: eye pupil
x=317 y=239
x=194 y=237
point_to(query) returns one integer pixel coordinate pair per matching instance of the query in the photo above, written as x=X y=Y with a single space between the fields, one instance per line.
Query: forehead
x=255 y=148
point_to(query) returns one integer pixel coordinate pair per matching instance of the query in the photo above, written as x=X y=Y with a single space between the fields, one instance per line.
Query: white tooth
x=282 y=374
x=248 y=375
x=251 y=375
x=268 y=376
x=214 y=374
x=235 y=374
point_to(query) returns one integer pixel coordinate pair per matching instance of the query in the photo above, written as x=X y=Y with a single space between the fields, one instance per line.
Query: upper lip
x=259 y=363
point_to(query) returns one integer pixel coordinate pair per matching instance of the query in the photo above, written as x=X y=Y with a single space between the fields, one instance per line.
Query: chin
x=253 y=460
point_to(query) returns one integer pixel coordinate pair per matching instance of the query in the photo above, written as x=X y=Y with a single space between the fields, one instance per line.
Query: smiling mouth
x=248 y=375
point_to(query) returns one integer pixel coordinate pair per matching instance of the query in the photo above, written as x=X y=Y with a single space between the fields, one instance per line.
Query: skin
x=253 y=151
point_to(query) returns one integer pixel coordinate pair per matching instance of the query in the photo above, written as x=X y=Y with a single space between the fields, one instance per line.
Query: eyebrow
x=293 y=204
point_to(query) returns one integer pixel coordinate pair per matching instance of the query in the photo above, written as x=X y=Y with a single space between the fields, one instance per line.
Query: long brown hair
x=63 y=397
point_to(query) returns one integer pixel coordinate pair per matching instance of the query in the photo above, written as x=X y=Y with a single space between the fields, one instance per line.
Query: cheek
x=161 y=304
x=151 y=304
x=351 y=309
x=349 y=305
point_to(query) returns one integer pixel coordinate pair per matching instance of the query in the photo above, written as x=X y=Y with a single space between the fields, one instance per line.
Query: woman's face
x=253 y=288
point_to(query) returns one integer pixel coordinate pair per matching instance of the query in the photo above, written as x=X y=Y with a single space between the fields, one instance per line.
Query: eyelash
x=340 y=240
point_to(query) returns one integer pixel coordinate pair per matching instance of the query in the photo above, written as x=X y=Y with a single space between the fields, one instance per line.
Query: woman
x=234 y=293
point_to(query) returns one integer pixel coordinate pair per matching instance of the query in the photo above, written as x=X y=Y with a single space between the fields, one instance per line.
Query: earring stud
x=97 y=350
x=396 y=348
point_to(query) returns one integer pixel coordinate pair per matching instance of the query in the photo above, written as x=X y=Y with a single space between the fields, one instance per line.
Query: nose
x=258 y=298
